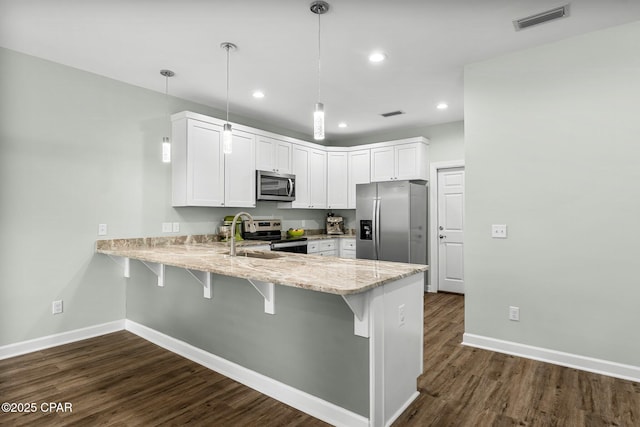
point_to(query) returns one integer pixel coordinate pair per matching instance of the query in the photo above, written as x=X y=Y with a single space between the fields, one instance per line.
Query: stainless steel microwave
x=275 y=186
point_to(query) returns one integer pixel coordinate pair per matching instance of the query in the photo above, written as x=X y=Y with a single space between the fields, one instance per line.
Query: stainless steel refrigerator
x=391 y=221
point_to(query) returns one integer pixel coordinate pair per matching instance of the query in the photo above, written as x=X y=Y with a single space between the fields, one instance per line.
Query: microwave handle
x=289 y=187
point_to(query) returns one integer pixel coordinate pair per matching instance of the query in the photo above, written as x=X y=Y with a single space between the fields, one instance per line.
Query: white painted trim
x=48 y=341
x=312 y=405
x=403 y=408
x=434 y=167
x=589 y=364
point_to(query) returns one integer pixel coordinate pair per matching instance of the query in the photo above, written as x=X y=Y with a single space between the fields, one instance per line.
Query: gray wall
x=76 y=150
x=309 y=343
x=551 y=141
x=446 y=142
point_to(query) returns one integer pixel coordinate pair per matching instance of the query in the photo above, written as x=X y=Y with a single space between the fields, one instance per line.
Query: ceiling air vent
x=539 y=18
x=392 y=113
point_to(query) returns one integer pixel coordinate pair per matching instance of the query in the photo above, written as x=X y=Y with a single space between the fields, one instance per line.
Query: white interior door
x=451 y=230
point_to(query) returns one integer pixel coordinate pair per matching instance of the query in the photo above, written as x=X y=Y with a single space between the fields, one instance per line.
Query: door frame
x=434 y=168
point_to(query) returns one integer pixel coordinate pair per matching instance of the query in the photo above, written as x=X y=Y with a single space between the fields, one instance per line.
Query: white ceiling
x=428 y=42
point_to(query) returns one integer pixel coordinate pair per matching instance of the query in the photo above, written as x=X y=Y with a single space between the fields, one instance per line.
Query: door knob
x=441 y=228
x=442 y=236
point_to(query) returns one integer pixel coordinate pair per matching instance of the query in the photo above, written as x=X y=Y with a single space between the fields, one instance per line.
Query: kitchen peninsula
x=340 y=339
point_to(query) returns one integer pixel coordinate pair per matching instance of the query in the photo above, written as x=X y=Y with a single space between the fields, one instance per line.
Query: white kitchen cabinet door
x=197 y=164
x=359 y=169
x=300 y=163
x=317 y=179
x=399 y=162
x=273 y=155
x=240 y=176
x=347 y=248
x=337 y=179
x=408 y=158
x=382 y=164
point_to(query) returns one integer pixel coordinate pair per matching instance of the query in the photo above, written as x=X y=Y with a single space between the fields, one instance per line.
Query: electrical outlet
x=499 y=231
x=401 y=315
x=56 y=307
x=167 y=227
x=514 y=313
x=176 y=227
x=102 y=229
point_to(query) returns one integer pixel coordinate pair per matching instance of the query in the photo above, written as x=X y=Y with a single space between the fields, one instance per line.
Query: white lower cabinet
x=348 y=248
x=326 y=247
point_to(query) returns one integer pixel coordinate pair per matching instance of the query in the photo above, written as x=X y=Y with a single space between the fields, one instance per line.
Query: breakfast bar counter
x=330 y=275
x=340 y=339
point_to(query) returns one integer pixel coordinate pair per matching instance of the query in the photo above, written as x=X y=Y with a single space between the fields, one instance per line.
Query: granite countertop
x=323 y=274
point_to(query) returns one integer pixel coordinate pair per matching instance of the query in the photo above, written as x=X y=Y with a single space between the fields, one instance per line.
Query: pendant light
x=227 y=137
x=166 y=141
x=319 y=8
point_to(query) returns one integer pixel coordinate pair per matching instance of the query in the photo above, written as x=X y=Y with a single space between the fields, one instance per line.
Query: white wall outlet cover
x=56 y=307
x=499 y=231
x=102 y=229
x=514 y=313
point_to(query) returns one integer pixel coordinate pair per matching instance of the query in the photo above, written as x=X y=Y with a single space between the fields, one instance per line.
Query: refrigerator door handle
x=376 y=227
x=373 y=229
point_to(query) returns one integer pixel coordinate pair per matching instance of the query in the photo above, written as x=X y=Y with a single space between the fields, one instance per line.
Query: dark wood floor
x=122 y=380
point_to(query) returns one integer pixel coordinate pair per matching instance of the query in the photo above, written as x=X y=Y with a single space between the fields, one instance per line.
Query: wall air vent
x=539 y=18
x=392 y=113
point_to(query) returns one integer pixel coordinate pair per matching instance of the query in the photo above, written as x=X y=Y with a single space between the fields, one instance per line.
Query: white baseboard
x=41 y=343
x=291 y=396
x=598 y=366
x=399 y=412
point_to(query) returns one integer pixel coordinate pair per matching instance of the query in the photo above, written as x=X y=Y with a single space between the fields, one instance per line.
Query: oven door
x=275 y=186
x=298 y=247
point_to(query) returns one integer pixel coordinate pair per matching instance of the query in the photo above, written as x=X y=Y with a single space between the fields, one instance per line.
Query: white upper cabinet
x=300 y=168
x=202 y=175
x=273 y=154
x=359 y=173
x=240 y=172
x=309 y=165
x=400 y=161
x=197 y=164
x=337 y=179
x=326 y=177
x=318 y=179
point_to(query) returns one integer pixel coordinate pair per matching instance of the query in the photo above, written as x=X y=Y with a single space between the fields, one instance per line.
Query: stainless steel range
x=271 y=230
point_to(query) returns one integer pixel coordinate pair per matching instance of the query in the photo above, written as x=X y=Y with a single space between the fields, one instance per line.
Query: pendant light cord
x=319 y=56
x=227 y=83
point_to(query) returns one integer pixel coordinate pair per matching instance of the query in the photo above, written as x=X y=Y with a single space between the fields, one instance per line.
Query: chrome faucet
x=252 y=229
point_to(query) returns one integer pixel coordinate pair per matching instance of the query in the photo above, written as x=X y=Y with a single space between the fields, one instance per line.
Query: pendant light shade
x=318 y=121
x=319 y=8
x=227 y=135
x=227 y=139
x=166 y=141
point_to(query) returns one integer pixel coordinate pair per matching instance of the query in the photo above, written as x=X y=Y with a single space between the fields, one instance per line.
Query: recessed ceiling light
x=342 y=125
x=258 y=94
x=377 y=57
x=442 y=106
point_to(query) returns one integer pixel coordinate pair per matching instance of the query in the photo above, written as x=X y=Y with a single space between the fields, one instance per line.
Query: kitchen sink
x=258 y=254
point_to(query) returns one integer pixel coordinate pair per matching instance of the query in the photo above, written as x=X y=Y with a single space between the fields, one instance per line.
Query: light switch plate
x=499 y=231
x=167 y=227
x=102 y=229
x=176 y=227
